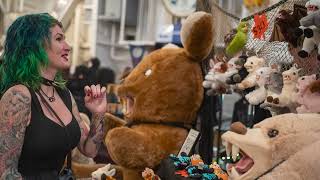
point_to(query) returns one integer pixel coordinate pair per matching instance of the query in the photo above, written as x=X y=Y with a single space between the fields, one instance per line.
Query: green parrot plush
x=239 y=40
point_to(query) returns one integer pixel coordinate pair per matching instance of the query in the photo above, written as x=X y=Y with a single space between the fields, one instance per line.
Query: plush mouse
x=162 y=96
x=281 y=147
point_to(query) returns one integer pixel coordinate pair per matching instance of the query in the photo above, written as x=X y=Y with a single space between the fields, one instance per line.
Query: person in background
x=76 y=84
x=34 y=143
x=94 y=65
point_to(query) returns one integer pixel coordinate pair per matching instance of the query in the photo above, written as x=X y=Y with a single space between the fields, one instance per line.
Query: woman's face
x=58 y=50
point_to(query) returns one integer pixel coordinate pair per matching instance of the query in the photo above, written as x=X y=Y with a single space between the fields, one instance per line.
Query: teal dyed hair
x=24 y=51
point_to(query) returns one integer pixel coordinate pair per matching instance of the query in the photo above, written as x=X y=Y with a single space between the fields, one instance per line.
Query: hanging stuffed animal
x=286 y=23
x=274 y=87
x=310 y=28
x=242 y=71
x=239 y=40
x=309 y=102
x=216 y=77
x=286 y=98
x=253 y=63
x=259 y=94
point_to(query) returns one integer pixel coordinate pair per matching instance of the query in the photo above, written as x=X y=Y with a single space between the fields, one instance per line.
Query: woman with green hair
x=39 y=119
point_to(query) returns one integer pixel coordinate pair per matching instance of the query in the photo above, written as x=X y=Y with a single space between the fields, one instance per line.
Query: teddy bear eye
x=294 y=73
x=273 y=133
x=148 y=72
x=251 y=62
x=302 y=78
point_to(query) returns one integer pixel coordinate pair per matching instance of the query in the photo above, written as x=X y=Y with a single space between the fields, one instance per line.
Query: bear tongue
x=244 y=164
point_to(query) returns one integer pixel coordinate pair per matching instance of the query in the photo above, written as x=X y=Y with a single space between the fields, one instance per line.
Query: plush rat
x=162 y=96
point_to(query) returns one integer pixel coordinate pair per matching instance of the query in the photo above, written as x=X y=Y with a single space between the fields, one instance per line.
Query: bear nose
x=239 y=128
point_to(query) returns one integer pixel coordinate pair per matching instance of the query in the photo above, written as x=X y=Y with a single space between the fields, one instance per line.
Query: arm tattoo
x=95 y=132
x=86 y=135
x=15 y=111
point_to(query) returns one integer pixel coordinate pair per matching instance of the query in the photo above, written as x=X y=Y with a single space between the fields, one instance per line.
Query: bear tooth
x=228 y=149
x=235 y=152
x=234 y=173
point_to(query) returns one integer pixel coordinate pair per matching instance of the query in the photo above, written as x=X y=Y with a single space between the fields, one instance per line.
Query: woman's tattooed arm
x=90 y=140
x=15 y=114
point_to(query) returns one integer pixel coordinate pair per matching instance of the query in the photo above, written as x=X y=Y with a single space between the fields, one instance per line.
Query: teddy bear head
x=253 y=63
x=166 y=86
x=269 y=143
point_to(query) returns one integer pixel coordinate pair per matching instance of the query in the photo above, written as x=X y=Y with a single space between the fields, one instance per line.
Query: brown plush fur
x=170 y=92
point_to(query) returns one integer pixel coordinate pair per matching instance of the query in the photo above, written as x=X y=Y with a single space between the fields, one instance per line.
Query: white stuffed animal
x=215 y=79
x=253 y=63
x=310 y=28
x=103 y=172
x=259 y=94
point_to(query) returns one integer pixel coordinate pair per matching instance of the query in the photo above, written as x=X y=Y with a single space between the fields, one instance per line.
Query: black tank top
x=46 y=143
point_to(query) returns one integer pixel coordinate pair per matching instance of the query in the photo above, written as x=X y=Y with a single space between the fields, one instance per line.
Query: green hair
x=24 y=52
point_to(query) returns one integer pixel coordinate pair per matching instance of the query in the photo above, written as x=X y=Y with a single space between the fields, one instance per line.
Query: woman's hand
x=95 y=99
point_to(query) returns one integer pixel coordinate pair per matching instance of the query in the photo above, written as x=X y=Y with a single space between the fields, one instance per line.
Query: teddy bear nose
x=239 y=128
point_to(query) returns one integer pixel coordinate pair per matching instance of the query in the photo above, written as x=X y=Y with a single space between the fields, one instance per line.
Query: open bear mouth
x=128 y=105
x=240 y=163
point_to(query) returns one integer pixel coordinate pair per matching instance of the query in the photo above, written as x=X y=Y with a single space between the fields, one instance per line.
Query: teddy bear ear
x=170 y=45
x=197 y=35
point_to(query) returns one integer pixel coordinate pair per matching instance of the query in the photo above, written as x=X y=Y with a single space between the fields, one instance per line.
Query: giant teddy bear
x=281 y=147
x=162 y=96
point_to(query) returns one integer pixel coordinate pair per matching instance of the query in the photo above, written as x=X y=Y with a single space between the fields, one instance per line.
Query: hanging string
x=270 y=8
x=225 y=12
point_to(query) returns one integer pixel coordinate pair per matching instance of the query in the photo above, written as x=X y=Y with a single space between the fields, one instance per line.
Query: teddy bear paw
x=303 y=54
